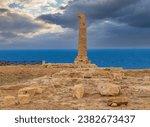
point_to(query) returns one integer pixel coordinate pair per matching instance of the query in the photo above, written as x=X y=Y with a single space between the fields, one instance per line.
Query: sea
x=125 y=58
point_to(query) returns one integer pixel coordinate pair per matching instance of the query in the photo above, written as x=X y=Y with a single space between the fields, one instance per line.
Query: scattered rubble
x=117 y=101
x=0 y=93
x=108 y=89
x=93 y=88
x=9 y=100
x=117 y=76
x=27 y=90
x=24 y=99
x=78 y=91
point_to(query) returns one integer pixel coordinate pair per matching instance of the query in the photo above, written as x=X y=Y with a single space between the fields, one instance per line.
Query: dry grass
x=9 y=74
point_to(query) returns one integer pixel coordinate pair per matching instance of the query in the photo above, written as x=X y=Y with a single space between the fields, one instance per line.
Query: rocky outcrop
x=108 y=89
x=31 y=91
x=27 y=91
x=146 y=80
x=117 y=76
x=82 y=73
x=117 y=101
x=141 y=91
x=0 y=93
x=9 y=100
x=13 y=87
x=24 y=99
x=41 y=89
x=69 y=74
x=45 y=80
x=78 y=91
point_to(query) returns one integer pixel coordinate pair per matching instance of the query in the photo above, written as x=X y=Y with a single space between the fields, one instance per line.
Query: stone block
x=0 y=93
x=78 y=91
x=108 y=89
x=9 y=100
x=117 y=101
x=41 y=89
x=27 y=90
x=24 y=99
x=117 y=76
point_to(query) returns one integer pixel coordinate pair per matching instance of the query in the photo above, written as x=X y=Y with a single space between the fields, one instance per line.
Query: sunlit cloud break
x=35 y=7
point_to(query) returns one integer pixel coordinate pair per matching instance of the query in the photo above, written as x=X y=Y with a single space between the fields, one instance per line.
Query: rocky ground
x=54 y=88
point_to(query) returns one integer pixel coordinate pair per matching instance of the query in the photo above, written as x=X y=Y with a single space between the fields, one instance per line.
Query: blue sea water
x=126 y=58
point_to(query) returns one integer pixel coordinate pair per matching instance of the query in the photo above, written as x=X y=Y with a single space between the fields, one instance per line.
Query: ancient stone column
x=82 y=41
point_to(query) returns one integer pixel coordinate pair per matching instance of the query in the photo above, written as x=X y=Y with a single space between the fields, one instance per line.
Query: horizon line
x=70 y=48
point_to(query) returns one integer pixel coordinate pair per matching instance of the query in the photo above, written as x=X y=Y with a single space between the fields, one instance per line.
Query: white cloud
x=20 y=19
x=16 y=25
x=34 y=7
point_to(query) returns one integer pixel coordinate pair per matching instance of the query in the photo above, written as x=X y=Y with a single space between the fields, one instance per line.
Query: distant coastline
x=126 y=57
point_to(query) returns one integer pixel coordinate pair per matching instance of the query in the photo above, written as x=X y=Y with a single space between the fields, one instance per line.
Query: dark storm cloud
x=8 y=35
x=133 y=12
x=12 y=25
x=111 y=24
x=17 y=23
x=2 y=10
x=113 y=35
x=137 y=15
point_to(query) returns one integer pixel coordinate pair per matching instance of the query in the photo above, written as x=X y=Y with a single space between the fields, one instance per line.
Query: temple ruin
x=82 y=41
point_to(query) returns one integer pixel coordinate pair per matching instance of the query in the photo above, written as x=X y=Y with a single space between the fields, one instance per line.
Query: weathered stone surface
x=27 y=90
x=108 y=89
x=69 y=74
x=82 y=41
x=72 y=66
x=118 y=100
x=146 y=79
x=82 y=73
x=13 y=87
x=9 y=100
x=24 y=99
x=41 y=89
x=117 y=76
x=141 y=91
x=88 y=75
x=0 y=93
x=114 y=105
x=60 y=82
x=45 y=80
x=78 y=91
x=31 y=91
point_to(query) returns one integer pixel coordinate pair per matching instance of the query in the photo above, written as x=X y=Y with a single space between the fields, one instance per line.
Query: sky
x=52 y=24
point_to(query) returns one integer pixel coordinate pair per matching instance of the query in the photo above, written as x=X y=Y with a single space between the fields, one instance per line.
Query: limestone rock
x=118 y=100
x=0 y=93
x=61 y=82
x=114 y=105
x=71 y=66
x=45 y=80
x=88 y=75
x=13 y=87
x=108 y=89
x=9 y=100
x=24 y=99
x=69 y=74
x=146 y=80
x=141 y=91
x=41 y=89
x=117 y=76
x=27 y=90
x=78 y=91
